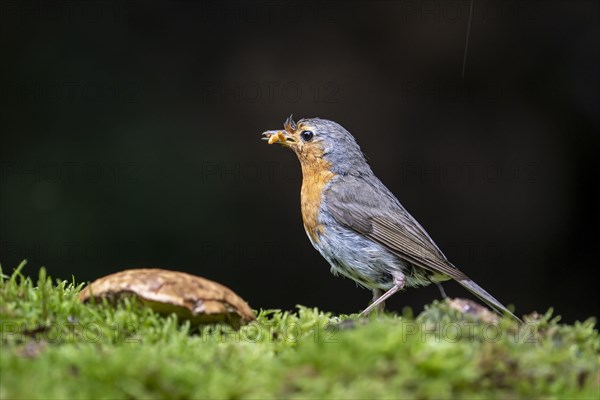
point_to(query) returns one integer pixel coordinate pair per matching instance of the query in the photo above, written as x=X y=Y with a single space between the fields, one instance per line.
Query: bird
x=355 y=222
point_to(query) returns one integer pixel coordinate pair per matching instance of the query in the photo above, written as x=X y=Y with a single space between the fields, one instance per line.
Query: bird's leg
x=377 y=293
x=442 y=291
x=399 y=280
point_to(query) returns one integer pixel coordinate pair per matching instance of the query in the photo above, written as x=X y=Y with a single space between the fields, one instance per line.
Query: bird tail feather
x=486 y=297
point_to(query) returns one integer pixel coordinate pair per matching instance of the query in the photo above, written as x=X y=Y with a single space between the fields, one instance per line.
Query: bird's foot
x=379 y=302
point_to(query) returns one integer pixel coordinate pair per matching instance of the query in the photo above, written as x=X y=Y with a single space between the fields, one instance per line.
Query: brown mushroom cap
x=191 y=297
x=467 y=306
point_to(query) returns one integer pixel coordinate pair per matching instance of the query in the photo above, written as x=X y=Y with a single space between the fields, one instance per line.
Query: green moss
x=55 y=347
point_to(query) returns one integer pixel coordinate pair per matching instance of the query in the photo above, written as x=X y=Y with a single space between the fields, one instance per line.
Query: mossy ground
x=55 y=347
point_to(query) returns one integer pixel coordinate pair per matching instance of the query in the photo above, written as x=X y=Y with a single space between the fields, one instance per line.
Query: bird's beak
x=281 y=137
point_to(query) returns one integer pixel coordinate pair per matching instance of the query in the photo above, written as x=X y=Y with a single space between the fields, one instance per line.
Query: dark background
x=130 y=138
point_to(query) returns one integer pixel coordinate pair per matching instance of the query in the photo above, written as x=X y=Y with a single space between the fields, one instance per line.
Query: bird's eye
x=307 y=135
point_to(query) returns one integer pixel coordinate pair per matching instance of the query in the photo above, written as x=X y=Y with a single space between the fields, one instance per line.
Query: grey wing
x=369 y=208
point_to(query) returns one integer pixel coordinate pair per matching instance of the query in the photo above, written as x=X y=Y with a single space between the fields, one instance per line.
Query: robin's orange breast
x=316 y=174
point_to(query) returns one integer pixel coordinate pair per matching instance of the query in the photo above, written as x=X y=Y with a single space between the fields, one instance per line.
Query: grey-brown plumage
x=362 y=229
x=383 y=220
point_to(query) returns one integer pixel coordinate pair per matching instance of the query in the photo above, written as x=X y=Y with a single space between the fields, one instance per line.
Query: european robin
x=356 y=223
